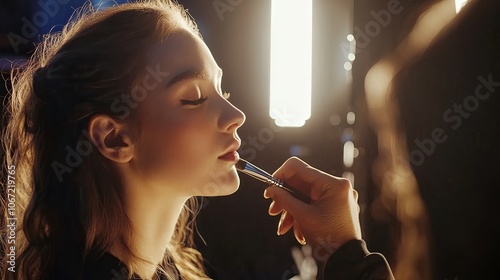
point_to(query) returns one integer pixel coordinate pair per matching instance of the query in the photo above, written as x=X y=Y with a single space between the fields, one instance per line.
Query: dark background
x=458 y=182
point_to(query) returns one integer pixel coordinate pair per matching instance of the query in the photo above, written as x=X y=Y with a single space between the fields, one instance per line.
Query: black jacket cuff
x=353 y=261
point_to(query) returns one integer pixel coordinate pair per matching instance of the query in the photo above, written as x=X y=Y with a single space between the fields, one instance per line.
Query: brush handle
x=294 y=192
x=261 y=175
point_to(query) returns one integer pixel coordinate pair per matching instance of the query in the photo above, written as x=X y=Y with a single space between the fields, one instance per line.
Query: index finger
x=305 y=178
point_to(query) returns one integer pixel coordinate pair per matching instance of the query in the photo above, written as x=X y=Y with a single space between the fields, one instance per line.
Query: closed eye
x=194 y=102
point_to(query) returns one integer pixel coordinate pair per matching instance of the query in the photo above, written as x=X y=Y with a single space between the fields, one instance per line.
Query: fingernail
x=279 y=224
x=303 y=240
x=270 y=207
x=266 y=194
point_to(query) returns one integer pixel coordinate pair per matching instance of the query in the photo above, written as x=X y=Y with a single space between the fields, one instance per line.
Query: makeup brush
x=261 y=175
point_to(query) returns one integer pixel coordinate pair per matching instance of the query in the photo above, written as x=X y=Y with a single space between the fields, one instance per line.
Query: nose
x=231 y=118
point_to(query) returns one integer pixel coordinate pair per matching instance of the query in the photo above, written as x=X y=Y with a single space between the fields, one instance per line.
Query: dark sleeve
x=353 y=261
x=106 y=267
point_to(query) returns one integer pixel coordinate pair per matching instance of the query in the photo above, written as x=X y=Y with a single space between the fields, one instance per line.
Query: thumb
x=291 y=204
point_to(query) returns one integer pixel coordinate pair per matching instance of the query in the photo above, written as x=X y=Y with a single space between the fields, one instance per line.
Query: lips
x=231 y=154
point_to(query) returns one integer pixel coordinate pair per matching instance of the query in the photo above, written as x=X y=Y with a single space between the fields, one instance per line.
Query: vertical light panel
x=459 y=4
x=291 y=53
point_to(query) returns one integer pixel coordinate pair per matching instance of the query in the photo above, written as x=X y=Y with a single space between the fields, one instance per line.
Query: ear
x=113 y=139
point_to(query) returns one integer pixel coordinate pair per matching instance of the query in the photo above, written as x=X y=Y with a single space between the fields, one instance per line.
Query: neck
x=153 y=217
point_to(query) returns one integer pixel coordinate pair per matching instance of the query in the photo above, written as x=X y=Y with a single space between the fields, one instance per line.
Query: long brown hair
x=68 y=198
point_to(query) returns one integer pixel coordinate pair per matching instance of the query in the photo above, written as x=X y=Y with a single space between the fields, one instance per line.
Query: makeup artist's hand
x=329 y=221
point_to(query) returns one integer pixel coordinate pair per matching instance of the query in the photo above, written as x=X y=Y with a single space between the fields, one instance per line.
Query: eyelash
x=202 y=100
x=194 y=102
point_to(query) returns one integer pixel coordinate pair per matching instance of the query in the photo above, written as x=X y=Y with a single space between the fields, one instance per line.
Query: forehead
x=182 y=51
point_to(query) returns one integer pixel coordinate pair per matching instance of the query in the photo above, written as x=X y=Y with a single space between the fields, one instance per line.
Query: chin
x=221 y=184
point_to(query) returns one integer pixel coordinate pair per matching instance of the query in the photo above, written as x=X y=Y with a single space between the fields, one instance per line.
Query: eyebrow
x=191 y=74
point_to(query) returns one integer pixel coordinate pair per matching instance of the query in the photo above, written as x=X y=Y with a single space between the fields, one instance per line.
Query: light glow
x=348 y=153
x=351 y=118
x=291 y=61
x=459 y=4
x=348 y=66
x=349 y=176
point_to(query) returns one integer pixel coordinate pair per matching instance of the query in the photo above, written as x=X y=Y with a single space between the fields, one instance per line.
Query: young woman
x=117 y=123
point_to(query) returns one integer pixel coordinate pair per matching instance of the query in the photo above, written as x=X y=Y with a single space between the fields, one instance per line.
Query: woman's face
x=184 y=135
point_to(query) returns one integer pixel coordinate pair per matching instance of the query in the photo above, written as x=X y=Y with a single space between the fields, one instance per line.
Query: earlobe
x=112 y=139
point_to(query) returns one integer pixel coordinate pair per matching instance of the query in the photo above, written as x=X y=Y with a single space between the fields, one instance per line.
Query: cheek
x=188 y=136
x=177 y=146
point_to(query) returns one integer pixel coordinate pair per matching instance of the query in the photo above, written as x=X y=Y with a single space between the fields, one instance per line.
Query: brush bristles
x=240 y=165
